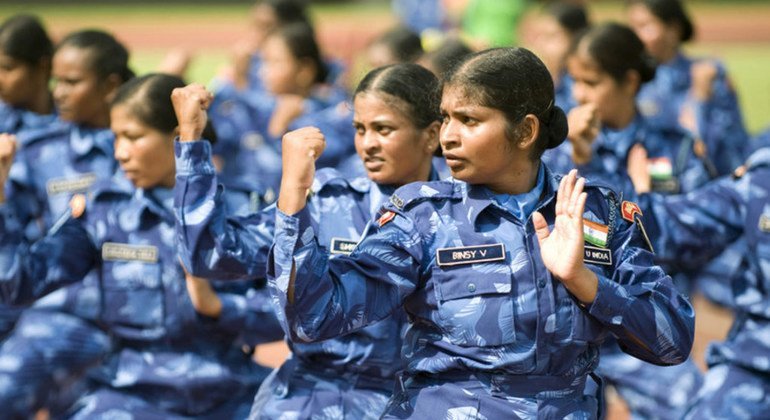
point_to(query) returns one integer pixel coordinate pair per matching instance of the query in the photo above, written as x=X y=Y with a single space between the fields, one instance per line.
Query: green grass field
x=748 y=63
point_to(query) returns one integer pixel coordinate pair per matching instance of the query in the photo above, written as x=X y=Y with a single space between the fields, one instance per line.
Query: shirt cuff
x=610 y=303
x=193 y=157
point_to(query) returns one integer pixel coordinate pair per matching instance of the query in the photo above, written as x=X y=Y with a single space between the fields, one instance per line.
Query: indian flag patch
x=660 y=168
x=595 y=233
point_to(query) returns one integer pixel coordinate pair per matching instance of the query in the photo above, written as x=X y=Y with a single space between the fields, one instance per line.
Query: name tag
x=669 y=185
x=469 y=254
x=70 y=185
x=342 y=246
x=112 y=251
x=595 y=255
x=764 y=223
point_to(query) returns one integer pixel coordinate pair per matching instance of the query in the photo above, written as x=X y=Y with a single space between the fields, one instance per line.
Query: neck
x=668 y=55
x=519 y=180
x=42 y=103
x=624 y=116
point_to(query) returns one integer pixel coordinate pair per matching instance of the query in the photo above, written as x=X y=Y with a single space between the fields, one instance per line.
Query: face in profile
x=394 y=151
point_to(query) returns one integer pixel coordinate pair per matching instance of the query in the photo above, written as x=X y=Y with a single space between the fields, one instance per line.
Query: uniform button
x=541 y=283
x=471 y=287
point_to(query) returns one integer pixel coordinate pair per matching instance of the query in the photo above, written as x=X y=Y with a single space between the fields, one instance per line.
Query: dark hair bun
x=555 y=125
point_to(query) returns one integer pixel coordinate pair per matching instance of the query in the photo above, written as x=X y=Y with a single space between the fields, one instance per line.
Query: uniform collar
x=83 y=140
x=619 y=142
x=478 y=197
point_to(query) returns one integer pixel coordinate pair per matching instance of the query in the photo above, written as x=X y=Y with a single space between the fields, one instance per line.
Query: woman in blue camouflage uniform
x=693 y=94
x=54 y=162
x=396 y=121
x=608 y=65
x=689 y=230
x=249 y=127
x=25 y=70
x=506 y=303
x=163 y=360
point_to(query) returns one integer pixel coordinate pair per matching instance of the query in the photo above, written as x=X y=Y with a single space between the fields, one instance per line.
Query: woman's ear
x=431 y=133
x=306 y=74
x=632 y=82
x=111 y=85
x=529 y=130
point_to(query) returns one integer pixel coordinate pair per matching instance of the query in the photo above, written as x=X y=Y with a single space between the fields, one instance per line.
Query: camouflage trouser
x=732 y=392
x=44 y=357
x=294 y=391
x=650 y=391
x=484 y=396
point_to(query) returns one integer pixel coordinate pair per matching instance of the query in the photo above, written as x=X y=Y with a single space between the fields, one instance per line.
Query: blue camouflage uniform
x=719 y=121
x=348 y=377
x=165 y=359
x=251 y=156
x=563 y=92
x=692 y=228
x=491 y=333
x=678 y=169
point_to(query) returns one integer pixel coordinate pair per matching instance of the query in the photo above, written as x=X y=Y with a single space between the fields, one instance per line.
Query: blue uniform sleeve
x=211 y=245
x=689 y=230
x=320 y=298
x=28 y=272
x=640 y=305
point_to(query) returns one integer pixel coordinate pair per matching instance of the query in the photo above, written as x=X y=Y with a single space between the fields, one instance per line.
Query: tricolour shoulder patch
x=595 y=233
x=342 y=246
x=112 y=251
x=629 y=209
x=469 y=254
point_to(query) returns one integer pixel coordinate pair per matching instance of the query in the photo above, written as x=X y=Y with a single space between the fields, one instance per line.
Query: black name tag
x=595 y=255
x=470 y=254
x=764 y=223
x=342 y=246
x=668 y=185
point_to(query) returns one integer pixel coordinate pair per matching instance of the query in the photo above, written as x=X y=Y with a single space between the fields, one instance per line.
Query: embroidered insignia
x=386 y=217
x=397 y=201
x=595 y=233
x=764 y=223
x=70 y=185
x=342 y=246
x=78 y=205
x=593 y=255
x=629 y=209
x=112 y=251
x=469 y=254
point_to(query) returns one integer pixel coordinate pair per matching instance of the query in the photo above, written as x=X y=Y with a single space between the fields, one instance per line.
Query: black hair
x=570 y=16
x=24 y=38
x=106 y=55
x=414 y=88
x=149 y=100
x=671 y=12
x=516 y=82
x=447 y=55
x=300 y=39
x=288 y=11
x=617 y=49
x=403 y=43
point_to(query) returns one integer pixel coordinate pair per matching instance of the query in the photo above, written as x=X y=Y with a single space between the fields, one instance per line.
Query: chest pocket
x=132 y=287
x=475 y=304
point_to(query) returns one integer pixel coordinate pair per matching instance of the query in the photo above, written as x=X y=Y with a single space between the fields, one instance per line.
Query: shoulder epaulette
x=117 y=185
x=30 y=137
x=326 y=177
x=416 y=192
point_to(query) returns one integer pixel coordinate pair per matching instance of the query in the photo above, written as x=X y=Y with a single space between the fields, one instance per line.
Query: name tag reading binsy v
x=342 y=246
x=446 y=257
